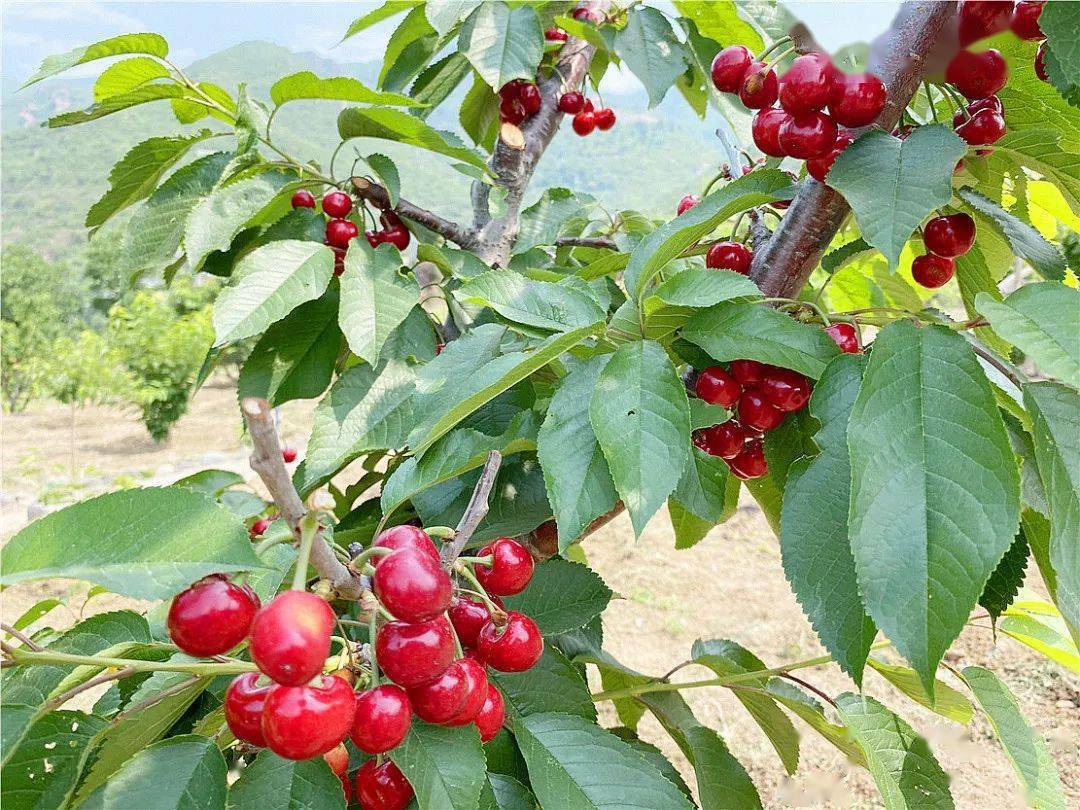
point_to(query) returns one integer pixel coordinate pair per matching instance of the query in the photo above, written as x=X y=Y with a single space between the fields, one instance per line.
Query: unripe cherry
x=212 y=616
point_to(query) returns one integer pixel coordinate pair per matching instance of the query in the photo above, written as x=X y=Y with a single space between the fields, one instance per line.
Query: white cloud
x=619 y=81
x=59 y=11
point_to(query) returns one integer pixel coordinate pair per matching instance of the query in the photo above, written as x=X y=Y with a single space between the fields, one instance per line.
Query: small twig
x=25 y=639
x=989 y=357
x=586 y=241
x=474 y=512
x=379 y=196
x=104 y=677
x=809 y=686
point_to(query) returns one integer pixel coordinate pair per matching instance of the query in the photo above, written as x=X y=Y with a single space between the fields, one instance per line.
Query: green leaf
x=839 y=257
x=1026 y=242
x=973 y=277
x=43 y=761
x=1040 y=626
x=707 y=489
x=1024 y=746
x=137 y=173
x=306 y=85
x=725 y=657
x=410 y=48
x=675 y=299
x=810 y=711
x=115 y=104
x=396 y=125
x=375 y=298
x=814 y=543
x=181 y=773
x=945 y=701
x=270 y=781
x=1040 y=320
x=562 y=596
x=156 y=229
x=188 y=111
x=1055 y=422
x=654 y=252
x=541 y=304
x=721 y=21
x=935 y=488
x=892 y=185
x=650 y=49
x=445 y=766
x=576 y=765
x=295 y=358
x=722 y=782
x=506 y=793
x=387 y=174
x=900 y=761
x=366 y=409
x=152 y=44
x=1041 y=151
x=479 y=114
x=641 y=419
x=146 y=543
x=553 y=684
x=1059 y=25
x=377 y=15
x=579 y=485
x=1005 y=582
x=654 y=756
x=126 y=75
x=446 y=397
x=445 y=14
x=688 y=528
x=218 y=218
x=736 y=330
x=502 y=43
x=269 y=283
x=543 y=221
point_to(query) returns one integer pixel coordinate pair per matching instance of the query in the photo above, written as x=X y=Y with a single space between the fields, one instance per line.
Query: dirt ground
x=729 y=586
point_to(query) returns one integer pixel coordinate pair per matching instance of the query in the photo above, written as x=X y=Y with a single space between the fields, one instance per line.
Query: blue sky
x=35 y=29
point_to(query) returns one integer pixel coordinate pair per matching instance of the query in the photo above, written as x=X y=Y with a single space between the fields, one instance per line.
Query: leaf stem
x=201 y=669
x=309 y=528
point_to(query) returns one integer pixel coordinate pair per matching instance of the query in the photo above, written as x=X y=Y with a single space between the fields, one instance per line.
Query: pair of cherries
x=728 y=255
x=945 y=238
x=518 y=100
x=587 y=117
x=761 y=396
x=980 y=19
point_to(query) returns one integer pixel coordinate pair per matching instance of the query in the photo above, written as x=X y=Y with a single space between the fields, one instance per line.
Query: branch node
x=474 y=512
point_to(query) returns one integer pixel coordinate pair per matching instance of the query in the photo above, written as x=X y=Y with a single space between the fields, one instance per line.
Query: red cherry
x=729 y=68
x=755 y=410
x=412 y=653
x=303 y=199
x=512 y=111
x=726 y=439
x=932 y=271
x=406 y=536
x=982 y=18
x=766 y=130
x=588 y=106
x=807 y=84
x=492 y=714
x=605 y=118
x=808 y=135
x=845 y=336
x=686 y=203
x=374 y=238
x=511 y=567
x=747 y=371
x=443 y=698
x=729 y=256
x=477 y=682
x=512 y=89
x=584 y=122
x=300 y=722
x=398 y=236
x=468 y=616
x=290 y=637
x=949 y=236
x=513 y=648
x=258 y=527
x=571 y=103
x=389 y=219
x=212 y=616
x=977 y=75
x=288 y=454
x=340 y=231
x=1025 y=19
x=717 y=387
x=785 y=390
x=382 y=787
x=244 y=700
x=1040 y=63
x=555 y=35
x=750 y=463
x=989 y=103
x=337 y=204
x=700 y=439
x=857 y=99
x=818 y=168
x=530 y=98
x=338 y=759
x=412 y=586
x=759 y=88
x=983 y=128
x=382 y=719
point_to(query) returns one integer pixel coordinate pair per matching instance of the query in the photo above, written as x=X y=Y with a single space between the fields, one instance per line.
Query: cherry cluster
x=945 y=238
x=587 y=117
x=337 y=205
x=434 y=651
x=983 y=18
x=518 y=100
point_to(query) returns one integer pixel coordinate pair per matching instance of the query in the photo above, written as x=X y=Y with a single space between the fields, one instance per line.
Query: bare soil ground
x=729 y=586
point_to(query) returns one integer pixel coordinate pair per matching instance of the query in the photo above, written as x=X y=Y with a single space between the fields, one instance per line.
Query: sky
x=196 y=28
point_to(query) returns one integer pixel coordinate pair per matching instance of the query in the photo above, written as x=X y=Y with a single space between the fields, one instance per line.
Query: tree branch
x=266 y=460
x=586 y=241
x=380 y=198
x=474 y=512
x=782 y=266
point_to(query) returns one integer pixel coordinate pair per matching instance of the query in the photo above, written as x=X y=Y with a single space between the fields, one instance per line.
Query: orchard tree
x=507 y=381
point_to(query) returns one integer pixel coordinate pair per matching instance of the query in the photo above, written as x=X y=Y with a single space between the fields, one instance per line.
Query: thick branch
x=266 y=460
x=782 y=267
x=378 y=196
x=474 y=512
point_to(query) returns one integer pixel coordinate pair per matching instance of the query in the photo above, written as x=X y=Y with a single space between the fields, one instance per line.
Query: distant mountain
x=51 y=177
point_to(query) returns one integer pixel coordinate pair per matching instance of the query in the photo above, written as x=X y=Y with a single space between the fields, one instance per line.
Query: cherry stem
x=498 y=615
x=375 y=551
x=487 y=560
x=930 y=100
x=309 y=528
x=958 y=103
x=720 y=176
x=772 y=63
x=778 y=44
